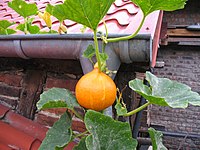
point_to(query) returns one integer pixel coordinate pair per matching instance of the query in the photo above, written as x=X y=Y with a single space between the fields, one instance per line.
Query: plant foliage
x=165 y=92
x=156 y=139
x=4 y=27
x=57 y=97
x=85 y=12
x=106 y=133
x=23 y=8
x=149 y=6
x=59 y=135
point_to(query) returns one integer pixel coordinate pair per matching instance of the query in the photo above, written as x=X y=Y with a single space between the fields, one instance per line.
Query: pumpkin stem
x=97 y=50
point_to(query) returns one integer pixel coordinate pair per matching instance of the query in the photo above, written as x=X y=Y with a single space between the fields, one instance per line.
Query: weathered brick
x=9 y=90
x=48 y=118
x=61 y=83
x=9 y=101
x=11 y=79
x=78 y=125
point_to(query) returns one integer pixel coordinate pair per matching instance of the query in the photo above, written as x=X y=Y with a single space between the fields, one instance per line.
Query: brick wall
x=181 y=64
x=22 y=82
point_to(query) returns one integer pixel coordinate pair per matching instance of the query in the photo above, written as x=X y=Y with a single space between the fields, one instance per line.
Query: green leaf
x=22 y=8
x=4 y=24
x=85 y=12
x=59 y=135
x=107 y=134
x=138 y=86
x=57 y=97
x=81 y=145
x=156 y=139
x=148 y=6
x=103 y=57
x=49 y=9
x=89 y=52
x=21 y=27
x=121 y=111
x=165 y=92
x=33 y=29
x=176 y=95
x=6 y=31
x=10 y=31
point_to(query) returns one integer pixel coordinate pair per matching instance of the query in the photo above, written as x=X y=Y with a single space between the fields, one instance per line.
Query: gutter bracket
x=18 y=49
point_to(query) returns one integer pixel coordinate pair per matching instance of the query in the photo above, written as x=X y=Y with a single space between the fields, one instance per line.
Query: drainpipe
x=71 y=46
x=138 y=117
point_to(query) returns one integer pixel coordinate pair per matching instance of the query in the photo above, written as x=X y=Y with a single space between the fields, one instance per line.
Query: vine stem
x=97 y=50
x=129 y=36
x=6 y=32
x=26 y=28
x=137 y=110
x=81 y=134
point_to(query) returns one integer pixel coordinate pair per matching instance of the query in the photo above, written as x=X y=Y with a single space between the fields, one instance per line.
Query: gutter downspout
x=72 y=46
x=138 y=117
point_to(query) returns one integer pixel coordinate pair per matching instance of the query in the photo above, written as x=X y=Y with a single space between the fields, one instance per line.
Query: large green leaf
x=59 y=135
x=23 y=8
x=57 y=97
x=138 y=86
x=86 y=12
x=156 y=139
x=148 y=6
x=165 y=92
x=176 y=95
x=107 y=134
x=49 y=8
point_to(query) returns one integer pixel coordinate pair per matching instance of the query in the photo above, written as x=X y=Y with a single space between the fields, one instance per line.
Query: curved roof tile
x=122 y=17
x=18 y=132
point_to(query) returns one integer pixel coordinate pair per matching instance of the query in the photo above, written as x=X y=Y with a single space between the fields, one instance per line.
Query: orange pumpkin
x=96 y=90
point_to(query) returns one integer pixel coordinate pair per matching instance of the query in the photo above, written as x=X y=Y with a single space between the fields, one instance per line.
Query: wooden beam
x=32 y=86
x=182 y=32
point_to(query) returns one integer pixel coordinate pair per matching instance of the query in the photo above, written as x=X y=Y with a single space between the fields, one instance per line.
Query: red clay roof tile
x=20 y=133
x=15 y=138
x=4 y=147
x=29 y=127
x=130 y=12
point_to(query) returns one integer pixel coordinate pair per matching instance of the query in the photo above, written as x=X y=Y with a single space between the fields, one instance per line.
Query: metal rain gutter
x=72 y=46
